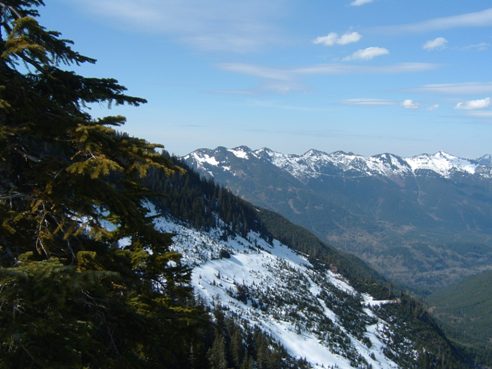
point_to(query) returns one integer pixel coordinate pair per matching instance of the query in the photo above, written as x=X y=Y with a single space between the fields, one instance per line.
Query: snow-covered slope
x=314 y=163
x=314 y=313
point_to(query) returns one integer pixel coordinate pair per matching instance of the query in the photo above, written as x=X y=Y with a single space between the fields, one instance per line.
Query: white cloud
x=368 y=53
x=437 y=43
x=481 y=18
x=329 y=40
x=433 y=107
x=465 y=88
x=333 y=38
x=210 y=25
x=368 y=102
x=410 y=104
x=349 y=38
x=360 y=2
x=474 y=104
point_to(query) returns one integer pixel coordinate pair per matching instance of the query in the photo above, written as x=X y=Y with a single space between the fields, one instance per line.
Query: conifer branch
x=11 y=9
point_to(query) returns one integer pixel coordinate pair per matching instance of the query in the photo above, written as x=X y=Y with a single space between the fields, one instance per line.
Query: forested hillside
x=464 y=311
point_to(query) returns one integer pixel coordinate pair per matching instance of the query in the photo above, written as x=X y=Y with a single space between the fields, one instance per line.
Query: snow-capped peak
x=389 y=165
x=241 y=152
x=313 y=153
x=264 y=150
x=485 y=160
x=269 y=154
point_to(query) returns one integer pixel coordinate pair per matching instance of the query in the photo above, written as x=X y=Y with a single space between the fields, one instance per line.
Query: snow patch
x=239 y=153
x=205 y=159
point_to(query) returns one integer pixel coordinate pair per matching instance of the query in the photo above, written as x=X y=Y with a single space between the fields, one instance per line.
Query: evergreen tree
x=74 y=295
x=247 y=363
x=237 y=347
x=217 y=353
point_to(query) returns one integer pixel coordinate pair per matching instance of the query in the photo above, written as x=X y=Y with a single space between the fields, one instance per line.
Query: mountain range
x=315 y=163
x=423 y=221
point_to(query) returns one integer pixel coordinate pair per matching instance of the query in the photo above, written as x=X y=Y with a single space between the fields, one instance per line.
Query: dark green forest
x=463 y=310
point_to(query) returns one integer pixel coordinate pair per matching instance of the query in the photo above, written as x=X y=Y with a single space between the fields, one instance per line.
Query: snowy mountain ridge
x=315 y=163
x=313 y=313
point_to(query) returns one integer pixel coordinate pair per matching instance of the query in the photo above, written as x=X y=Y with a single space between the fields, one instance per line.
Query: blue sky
x=358 y=75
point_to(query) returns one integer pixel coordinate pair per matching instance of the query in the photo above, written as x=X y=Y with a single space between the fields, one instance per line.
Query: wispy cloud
x=480 y=114
x=367 y=53
x=410 y=104
x=433 y=107
x=282 y=87
x=333 y=38
x=338 y=69
x=210 y=25
x=438 y=43
x=258 y=71
x=278 y=87
x=481 y=18
x=280 y=106
x=323 y=69
x=368 y=102
x=480 y=46
x=474 y=104
x=285 y=80
x=360 y=2
x=465 y=88
x=237 y=92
